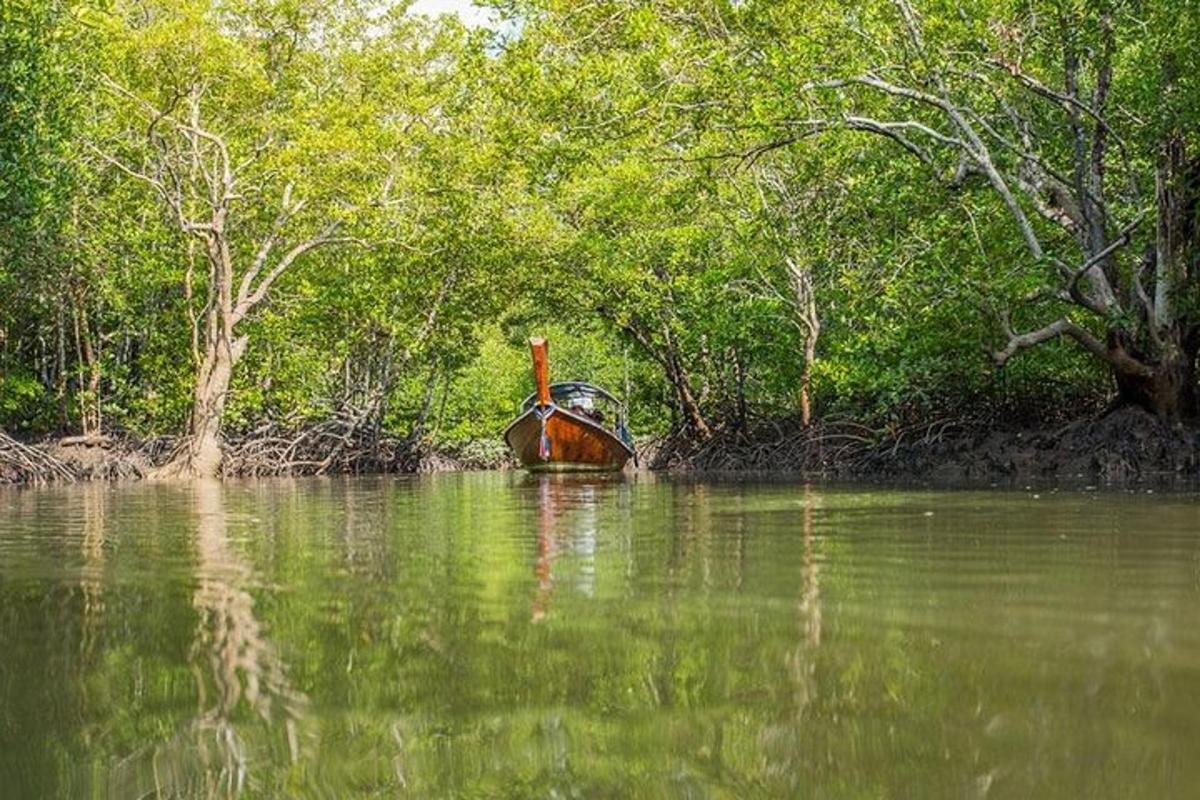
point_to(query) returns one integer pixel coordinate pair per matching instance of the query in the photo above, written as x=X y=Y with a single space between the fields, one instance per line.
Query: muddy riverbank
x=1122 y=446
x=322 y=449
x=1119 y=446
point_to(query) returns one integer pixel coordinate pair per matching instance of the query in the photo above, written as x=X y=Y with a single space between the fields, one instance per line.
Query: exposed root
x=1121 y=446
x=111 y=457
x=337 y=445
x=343 y=446
x=22 y=463
x=832 y=446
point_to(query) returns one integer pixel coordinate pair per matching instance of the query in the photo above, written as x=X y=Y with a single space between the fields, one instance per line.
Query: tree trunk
x=693 y=417
x=689 y=406
x=668 y=357
x=88 y=396
x=60 y=369
x=201 y=455
x=740 y=374
x=91 y=418
x=1168 y=389
x=810 y=355
x=809 y=323
x=208 y=409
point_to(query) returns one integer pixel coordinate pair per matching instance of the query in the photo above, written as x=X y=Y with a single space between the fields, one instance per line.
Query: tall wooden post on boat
x=541 y=370
x=568 y=427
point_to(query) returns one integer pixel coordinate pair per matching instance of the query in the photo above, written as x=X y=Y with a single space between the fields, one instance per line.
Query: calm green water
x=503 y=636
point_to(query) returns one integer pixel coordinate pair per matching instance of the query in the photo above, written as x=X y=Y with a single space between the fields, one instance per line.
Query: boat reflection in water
x=245 y=700
x=568 y=521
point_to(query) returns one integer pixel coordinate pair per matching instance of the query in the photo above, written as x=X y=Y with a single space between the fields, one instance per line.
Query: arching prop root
x=339 y=445
x=22 y=463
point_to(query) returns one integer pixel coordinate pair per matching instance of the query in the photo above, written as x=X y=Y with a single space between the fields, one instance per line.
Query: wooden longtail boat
x=568 y=427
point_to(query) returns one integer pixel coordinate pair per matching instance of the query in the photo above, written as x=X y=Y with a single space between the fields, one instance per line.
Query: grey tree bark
x=191 y=170
x=1146 y=338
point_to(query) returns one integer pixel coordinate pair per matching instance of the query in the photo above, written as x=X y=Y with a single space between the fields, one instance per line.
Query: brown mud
x=327 y=448
x=1125 y=445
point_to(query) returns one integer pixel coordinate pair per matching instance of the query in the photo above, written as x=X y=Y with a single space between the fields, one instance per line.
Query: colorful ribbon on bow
x=543 y=413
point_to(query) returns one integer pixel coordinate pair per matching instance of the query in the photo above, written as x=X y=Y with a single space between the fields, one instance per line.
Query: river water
x=497 y=635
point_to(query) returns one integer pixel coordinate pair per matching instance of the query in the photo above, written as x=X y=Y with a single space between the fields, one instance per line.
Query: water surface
x=498 y=635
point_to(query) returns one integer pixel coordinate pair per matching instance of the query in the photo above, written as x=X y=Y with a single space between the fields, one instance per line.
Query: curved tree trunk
x=204 y=186
x=88 y=395
x=667 y=356
x=1168 y=388
x=689 y=406
x=804 y=299
x=1148 y=316
x=202 y=459
x=202 y=453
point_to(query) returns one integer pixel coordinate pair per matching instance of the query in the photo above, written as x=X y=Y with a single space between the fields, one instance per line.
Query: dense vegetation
x=216 y=214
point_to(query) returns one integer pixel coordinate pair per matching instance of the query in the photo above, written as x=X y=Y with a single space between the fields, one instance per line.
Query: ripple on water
x=495 y=634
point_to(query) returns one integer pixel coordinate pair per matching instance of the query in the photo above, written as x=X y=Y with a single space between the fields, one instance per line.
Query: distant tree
x=264 y=144
x=1067 y=115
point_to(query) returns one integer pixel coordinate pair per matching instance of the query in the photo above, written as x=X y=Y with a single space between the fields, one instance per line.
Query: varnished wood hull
x=576 y=444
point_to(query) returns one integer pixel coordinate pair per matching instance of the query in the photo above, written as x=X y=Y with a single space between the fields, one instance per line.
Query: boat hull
x=577 y=444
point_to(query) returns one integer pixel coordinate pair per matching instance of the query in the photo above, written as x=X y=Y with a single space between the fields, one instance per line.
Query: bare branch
x=172 y=201
x=246 y=305
x=154 y=183
x=260 y=147
x=286 y=212
x=1046 y=293
x=1123 y=238
x=911 y=23
x=973 y=145
x=909 y=125
x=884 y=86
x=1065 y=101
x=1115 y=357
x=227 y=174
x=886 y=128
x=1144 y=298
x=1060 y=327
x=891 y=130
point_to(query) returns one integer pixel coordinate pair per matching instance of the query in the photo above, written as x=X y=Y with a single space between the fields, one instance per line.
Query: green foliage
x=640 y=181
x=486 y=393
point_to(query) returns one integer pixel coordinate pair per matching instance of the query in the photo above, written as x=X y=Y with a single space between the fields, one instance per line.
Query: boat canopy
x=575 y=395
x=590 y=401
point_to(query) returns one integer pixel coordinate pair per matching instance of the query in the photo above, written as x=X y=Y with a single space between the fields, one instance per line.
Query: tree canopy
x=218 y=214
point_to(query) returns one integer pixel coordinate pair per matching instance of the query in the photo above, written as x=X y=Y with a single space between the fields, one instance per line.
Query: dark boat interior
x=591 y=402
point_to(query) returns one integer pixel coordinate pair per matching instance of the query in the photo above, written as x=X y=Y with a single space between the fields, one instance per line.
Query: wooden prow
x=541 y=370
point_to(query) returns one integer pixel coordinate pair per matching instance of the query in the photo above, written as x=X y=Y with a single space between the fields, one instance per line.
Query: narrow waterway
x=497 y=635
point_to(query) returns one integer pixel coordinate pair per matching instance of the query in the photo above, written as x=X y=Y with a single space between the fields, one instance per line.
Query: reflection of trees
x=91 y=578
x=802 y=660
x=242 y=663
x=234 y=664
x=725 y=647
x=53 y=635
x=784 y=743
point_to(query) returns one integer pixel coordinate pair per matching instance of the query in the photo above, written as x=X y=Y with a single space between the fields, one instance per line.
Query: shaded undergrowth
x=1112 y=445
x=987 y=441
